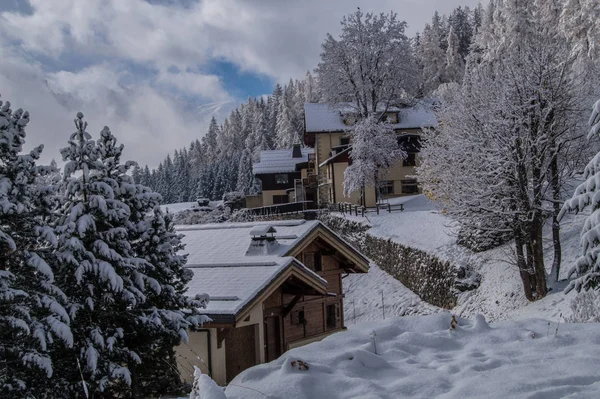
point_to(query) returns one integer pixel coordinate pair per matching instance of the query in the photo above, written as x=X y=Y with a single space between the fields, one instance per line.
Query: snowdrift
x=422 y=357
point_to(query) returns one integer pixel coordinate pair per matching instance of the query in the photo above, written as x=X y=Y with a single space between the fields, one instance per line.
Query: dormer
x=391 y=117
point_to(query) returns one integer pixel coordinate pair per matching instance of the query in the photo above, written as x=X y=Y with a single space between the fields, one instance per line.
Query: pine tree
x=580 y=22
x=33 y=320
x=160 y=322
x=96 y=267
x=432 y=59
x=586 y=269
x=245 y=177
x=455 y=65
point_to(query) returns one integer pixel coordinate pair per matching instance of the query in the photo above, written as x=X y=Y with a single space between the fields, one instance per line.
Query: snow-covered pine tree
x=287 y=134
x=245 y=177
x=152 y=327
x=32 y=316
x=580 y=22
x=455 y=65
x=587 y=267
x=96 y=268
x=432 y=60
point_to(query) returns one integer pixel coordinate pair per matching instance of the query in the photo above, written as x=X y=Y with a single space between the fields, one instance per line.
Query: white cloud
x=166 y=51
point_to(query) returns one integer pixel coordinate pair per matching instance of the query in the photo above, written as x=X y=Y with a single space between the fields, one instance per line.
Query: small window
x=318 y=261
x=345 y=141
x=410 y=187
x=280 y=199
x=298 y=317
x=410 y=160
x=281 y=179
x=386 y=187
x=331 y=316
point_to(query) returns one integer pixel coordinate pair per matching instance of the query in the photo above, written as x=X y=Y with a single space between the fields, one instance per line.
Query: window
x=280 y=199
x=330 y=311
x=298 y=317
x=410 y=160
x=410 y=187
x=386 y=187
x=318 y=261
x=391 y=117
x=344 y=140
x=281 y=179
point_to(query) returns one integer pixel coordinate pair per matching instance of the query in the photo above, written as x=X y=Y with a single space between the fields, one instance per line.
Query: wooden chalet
x=273 y=286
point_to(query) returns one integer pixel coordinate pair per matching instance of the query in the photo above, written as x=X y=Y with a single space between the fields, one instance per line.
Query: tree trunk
x=554 y=179
x=538 y=257
x=522 y=265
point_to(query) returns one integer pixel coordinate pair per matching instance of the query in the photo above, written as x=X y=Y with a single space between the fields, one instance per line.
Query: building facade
x=286 y=176
x=326 y=130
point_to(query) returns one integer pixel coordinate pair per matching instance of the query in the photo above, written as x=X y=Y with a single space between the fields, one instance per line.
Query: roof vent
x=263 y=241
x=296 y=151
x=265 y=232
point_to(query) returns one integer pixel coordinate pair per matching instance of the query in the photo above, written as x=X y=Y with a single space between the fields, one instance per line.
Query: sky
x=156 y=71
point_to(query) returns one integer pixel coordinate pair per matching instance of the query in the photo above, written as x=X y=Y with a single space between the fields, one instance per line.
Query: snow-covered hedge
x=586 y=308
x=429 y=277
x=482 y=240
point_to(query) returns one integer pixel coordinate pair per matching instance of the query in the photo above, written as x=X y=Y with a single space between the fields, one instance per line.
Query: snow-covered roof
x=232 y=275
x=280 y=161
x=327 y=118
x=231 y=287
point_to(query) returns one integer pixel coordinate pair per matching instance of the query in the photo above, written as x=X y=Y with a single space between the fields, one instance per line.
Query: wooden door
x=240 y=350
x=272 y=338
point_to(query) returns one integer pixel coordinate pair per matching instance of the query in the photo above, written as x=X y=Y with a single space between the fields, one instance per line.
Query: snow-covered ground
x=363 y=298
x=500 y=297
x=184 y=206
x=422 y=357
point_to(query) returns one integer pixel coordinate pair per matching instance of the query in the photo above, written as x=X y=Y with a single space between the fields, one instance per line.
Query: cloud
x=144 y=67
x=149 y=122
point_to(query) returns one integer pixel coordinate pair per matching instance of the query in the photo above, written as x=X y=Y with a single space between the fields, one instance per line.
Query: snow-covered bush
x=586 y=308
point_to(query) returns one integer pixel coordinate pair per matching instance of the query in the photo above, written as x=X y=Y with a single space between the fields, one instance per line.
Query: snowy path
x=421 y=357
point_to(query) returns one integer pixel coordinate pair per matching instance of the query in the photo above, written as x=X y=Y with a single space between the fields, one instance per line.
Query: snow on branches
x=587 y=194
x=374 y=147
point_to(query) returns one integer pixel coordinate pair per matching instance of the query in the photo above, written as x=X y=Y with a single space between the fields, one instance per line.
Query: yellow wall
x=323 y=144
x=267 y=196
x=187 y=354
x=254 y=201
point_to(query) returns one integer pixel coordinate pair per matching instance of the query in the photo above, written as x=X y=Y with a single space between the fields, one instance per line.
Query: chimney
x=263 y=241
x=296 y=151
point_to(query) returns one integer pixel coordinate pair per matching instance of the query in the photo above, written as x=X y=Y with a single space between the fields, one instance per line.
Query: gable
x=357 y=262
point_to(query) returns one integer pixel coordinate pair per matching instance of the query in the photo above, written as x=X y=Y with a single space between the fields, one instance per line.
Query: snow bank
x=421 y=357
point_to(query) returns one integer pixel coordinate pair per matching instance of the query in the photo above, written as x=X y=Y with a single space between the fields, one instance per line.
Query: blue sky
x=156 y=71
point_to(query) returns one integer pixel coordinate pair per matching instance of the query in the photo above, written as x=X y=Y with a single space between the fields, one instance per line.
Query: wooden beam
x=290 y=306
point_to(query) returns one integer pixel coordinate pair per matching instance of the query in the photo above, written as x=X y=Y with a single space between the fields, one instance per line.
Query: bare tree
x=371 y=66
